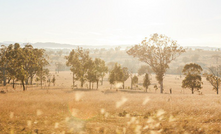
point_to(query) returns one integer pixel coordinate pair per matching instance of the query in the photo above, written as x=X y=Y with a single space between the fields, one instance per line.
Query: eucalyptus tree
x=126 y=75
x=214 y=81
x=42 y=76
x=193 y=78
x=158 y=52
x=12 y=63
x=41 y=63
x=3 y=63
x=144 y=69
x=91 y=75
x=36 y=61
x=116 y=75
x=134 y=80
x=74 y=63
x=100 y=70
x=78 y=60
x=214 y=77
x=146 y=81
x=21 y=63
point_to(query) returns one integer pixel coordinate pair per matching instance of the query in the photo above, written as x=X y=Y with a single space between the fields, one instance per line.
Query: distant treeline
x=110 y=56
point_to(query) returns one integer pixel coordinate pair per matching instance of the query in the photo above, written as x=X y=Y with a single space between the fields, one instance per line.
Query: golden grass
x=63 y=110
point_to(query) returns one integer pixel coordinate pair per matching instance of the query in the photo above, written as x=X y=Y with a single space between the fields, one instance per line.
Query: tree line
x=22 y=64
x=157 y=52
x=84 y=68
x=192 y=80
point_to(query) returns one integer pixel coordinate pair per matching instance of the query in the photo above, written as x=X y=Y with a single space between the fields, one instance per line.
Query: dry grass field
x=61 y=110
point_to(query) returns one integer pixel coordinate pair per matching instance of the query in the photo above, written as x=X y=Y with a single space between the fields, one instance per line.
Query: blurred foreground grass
x=92 y=112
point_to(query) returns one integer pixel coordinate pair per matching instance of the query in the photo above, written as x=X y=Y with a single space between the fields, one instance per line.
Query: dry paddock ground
x=61 y=110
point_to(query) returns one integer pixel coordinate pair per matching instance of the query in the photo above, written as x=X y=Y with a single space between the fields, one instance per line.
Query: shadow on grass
x=133 y=91
x=110 y=91
x=81 y=89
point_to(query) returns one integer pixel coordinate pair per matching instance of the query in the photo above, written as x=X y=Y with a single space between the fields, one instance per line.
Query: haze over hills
x=53 y=45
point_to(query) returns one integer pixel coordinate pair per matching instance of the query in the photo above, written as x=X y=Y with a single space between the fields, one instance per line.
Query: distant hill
x=52 y=45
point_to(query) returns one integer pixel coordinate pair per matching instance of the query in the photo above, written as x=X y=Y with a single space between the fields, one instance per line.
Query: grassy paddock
x=96 y=112
x=62 y=110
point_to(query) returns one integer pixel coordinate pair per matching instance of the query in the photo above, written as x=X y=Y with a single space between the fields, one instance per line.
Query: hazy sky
x=110 y=22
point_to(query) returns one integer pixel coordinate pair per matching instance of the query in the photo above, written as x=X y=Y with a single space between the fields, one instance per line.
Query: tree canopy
x=157 y=51
x=125 y=75
x=144 y=69
x=79 y=61
x=116 y=75
x=134 y=80
x=214 y=81
x=101 y=70
x=193 y=78
x=21 y=63
x=146 y=81
x=84 y=68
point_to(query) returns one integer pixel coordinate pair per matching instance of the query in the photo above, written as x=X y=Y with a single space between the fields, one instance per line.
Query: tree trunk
x=13 y=83
x=82 y=83
x=73 y=81
x=192 y=90
x=26 y=81
x=161 y=87
x=131 y=85
x=31 y=80
x=41 y=76
x=9 y=80
x=102 y=80
x=4 y=77
x=97 y=83
x=217 y=86
x=41 y=83
x=123 y=85
x=23 y=85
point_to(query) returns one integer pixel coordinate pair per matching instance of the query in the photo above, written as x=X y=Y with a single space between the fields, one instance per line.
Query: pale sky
x=110 y=22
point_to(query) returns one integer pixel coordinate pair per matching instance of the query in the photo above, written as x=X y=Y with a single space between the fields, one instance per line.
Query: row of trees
x=192 y=80
x=22 y=64
x=84 y=68
x=120 y=74
x=157 y=52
